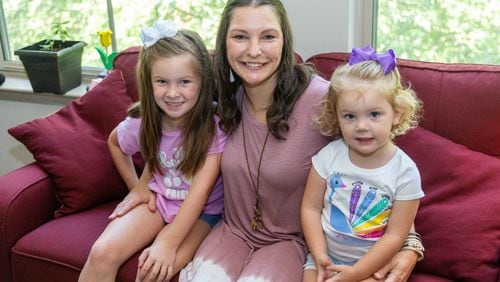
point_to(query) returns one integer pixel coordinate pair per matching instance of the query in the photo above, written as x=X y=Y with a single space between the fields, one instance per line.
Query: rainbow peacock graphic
x=367 y=218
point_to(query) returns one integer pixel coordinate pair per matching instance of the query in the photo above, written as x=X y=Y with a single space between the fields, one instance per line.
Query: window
x=431 y=30
x=24 y=22
x=440 y=30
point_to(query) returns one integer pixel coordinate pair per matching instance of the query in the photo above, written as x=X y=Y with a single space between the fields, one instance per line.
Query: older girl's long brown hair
x=197 y=126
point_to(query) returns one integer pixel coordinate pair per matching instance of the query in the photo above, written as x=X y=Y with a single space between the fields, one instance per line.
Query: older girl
x=176 y=132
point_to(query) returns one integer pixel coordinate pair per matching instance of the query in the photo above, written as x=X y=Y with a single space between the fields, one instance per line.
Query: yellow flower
x=106 y=59
x=105 y=37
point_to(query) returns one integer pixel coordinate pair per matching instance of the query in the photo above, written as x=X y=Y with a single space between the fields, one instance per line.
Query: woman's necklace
x=256 y=222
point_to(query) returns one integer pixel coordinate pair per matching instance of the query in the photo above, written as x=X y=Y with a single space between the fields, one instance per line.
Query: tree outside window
x=450 y=31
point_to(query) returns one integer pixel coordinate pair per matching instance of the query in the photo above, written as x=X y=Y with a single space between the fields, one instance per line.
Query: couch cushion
x=51 y=241
x=458 y=217
x=461 y=101
x=43 y=255
x=423 y=277
x=71 y=145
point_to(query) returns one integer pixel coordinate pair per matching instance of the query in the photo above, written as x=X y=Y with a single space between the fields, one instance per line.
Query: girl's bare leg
x=122 y=238
x=187 y=248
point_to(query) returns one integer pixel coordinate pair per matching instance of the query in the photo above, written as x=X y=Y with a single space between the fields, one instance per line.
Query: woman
x=266 y=103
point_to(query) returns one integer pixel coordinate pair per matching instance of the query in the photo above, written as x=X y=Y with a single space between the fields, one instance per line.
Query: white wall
x=12 y=153
x=316 y=32
x=318 y=26
x=321 y=26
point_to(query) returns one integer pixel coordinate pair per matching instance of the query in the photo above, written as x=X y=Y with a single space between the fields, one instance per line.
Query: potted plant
x=53 y=65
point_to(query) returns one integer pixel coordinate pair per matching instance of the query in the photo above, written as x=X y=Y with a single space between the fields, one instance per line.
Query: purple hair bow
x=387 y=60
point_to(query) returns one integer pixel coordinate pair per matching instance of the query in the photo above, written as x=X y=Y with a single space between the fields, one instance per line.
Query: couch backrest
x=461 y=101
x=126 y=62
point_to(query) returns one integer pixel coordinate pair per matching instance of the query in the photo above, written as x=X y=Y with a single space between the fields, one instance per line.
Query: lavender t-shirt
x=172 y=187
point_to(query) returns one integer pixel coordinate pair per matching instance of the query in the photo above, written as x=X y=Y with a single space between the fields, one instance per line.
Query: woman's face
x=254 y=45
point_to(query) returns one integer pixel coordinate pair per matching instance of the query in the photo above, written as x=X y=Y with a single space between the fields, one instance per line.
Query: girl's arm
x=192 y=206
x=166 y=244
x=123 y=162
x=139 y=190
x=400 y=221
x=311 y=207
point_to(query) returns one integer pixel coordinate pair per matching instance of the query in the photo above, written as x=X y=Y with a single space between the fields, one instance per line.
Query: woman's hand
x=342 y=273
x=140 y=194
x=398 y=269
x=156 y=263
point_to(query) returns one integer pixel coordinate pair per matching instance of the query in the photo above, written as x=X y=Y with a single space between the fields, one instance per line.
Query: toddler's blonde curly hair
x=364 y=75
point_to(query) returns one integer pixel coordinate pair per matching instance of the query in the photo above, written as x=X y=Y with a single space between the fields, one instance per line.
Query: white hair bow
x=160 y=29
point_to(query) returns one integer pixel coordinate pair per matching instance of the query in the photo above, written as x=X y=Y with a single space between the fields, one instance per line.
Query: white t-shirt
x=358 y=201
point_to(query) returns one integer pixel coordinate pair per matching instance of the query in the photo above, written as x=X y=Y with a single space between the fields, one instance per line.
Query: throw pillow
x=458 y=217
x=71 y=145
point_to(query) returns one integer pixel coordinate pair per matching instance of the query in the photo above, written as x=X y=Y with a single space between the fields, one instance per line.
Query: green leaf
x=103 y=56
x=111 y=58
x=107 y=60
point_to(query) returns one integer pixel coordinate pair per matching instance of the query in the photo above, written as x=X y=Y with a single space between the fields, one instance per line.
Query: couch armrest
x=27 y=201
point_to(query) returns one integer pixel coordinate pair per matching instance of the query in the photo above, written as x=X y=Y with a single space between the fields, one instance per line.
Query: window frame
x=362 y=24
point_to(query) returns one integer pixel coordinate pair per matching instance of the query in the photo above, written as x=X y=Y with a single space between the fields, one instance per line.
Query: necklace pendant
x=256 y=222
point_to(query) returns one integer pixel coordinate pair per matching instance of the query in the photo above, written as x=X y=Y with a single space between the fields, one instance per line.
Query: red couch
x=51 y=211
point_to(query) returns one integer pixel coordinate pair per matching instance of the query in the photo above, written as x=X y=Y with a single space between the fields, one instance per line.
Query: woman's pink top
x=284 y=169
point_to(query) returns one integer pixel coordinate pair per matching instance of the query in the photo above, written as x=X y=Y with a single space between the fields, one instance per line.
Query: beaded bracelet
x=414 y=243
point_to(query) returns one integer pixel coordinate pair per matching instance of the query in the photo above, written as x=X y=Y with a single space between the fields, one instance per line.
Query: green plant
x=60 y=33
x=106 y=39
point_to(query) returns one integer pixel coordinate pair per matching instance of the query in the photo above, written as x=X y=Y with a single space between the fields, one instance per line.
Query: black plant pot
x=53 y=71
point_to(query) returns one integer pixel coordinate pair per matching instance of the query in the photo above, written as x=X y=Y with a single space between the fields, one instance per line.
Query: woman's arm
x=400 y=267
x=311 y=207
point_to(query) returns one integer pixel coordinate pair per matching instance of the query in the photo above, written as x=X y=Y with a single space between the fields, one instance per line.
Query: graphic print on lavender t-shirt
x=173 y=179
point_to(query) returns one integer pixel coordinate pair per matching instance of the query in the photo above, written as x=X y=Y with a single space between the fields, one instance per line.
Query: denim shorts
x=310 y=264
x=211 y=219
